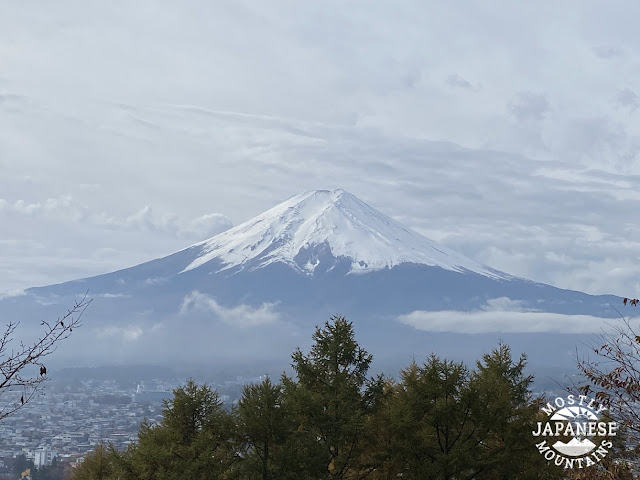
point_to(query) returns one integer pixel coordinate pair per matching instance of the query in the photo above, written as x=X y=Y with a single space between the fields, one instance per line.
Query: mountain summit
x=319 y=229
x=252 y=291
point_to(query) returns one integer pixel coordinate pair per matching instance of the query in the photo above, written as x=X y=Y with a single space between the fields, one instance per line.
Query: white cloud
x=66 y=209
x=504 y=304
x=145 y=219
x=128 y=333
x=110 y=295
x=50 y=205
x=207 y=226
x=256 y=105
x=502 y=315
x=239 y=316
x=11 y=293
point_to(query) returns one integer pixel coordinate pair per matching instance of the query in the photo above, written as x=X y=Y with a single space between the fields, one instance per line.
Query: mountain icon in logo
x=580 y=444
x=575 y=447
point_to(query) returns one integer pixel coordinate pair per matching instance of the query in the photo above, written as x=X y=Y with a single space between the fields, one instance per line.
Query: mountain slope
x=257 y=289
x=305 y=230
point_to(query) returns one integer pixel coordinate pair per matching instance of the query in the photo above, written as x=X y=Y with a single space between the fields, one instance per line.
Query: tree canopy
x=332 y=420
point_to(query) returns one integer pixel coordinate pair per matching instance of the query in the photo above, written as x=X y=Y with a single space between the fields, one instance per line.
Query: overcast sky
x=508 y=131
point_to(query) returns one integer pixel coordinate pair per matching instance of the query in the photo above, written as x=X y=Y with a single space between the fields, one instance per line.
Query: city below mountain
x=255 y=292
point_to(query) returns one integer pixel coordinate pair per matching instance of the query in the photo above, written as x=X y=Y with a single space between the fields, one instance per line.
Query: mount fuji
x=254 y=292
x=319 y=229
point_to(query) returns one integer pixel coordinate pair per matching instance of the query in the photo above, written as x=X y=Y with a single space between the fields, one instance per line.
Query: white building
x=43 y=456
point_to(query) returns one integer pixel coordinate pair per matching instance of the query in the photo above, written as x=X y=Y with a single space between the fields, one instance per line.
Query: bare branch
x=18 y=382
x=613 y=377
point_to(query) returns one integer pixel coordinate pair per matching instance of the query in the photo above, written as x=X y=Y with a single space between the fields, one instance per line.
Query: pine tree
x=332 y=399
x=264 y=423
x=432 y=423
x=193 y=440
x=448 y=422
x=504 y=415
x=100 y=464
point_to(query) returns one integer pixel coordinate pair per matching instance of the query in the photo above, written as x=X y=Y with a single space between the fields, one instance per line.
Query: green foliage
x=101 y=464
x=446 y=422
x=332 y=398
x=504 y=415
x=432 y=422
x=441 y=420
x=264 y=423
x=193 y=440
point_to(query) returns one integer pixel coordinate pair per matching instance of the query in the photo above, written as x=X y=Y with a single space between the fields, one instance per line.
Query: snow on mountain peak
x=300 y=230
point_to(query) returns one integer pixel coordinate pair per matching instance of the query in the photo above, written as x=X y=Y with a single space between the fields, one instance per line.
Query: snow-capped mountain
x=256 y=290
x=315 y=226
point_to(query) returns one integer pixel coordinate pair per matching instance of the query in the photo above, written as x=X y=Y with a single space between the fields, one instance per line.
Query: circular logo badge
x=573 y=436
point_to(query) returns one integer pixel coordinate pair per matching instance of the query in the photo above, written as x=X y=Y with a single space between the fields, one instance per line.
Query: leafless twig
x=19 y=383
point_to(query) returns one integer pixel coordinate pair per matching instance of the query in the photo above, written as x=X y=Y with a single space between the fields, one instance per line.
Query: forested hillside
x=439 y=420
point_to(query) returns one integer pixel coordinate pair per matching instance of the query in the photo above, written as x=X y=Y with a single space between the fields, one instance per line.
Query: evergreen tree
x=441 y=421
x=504 y=415
x=193 y=440
x=265 y=424
x=100 y=464
x=378 y=455
x=432 y=422
x=451 y=423
x=332 y=399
